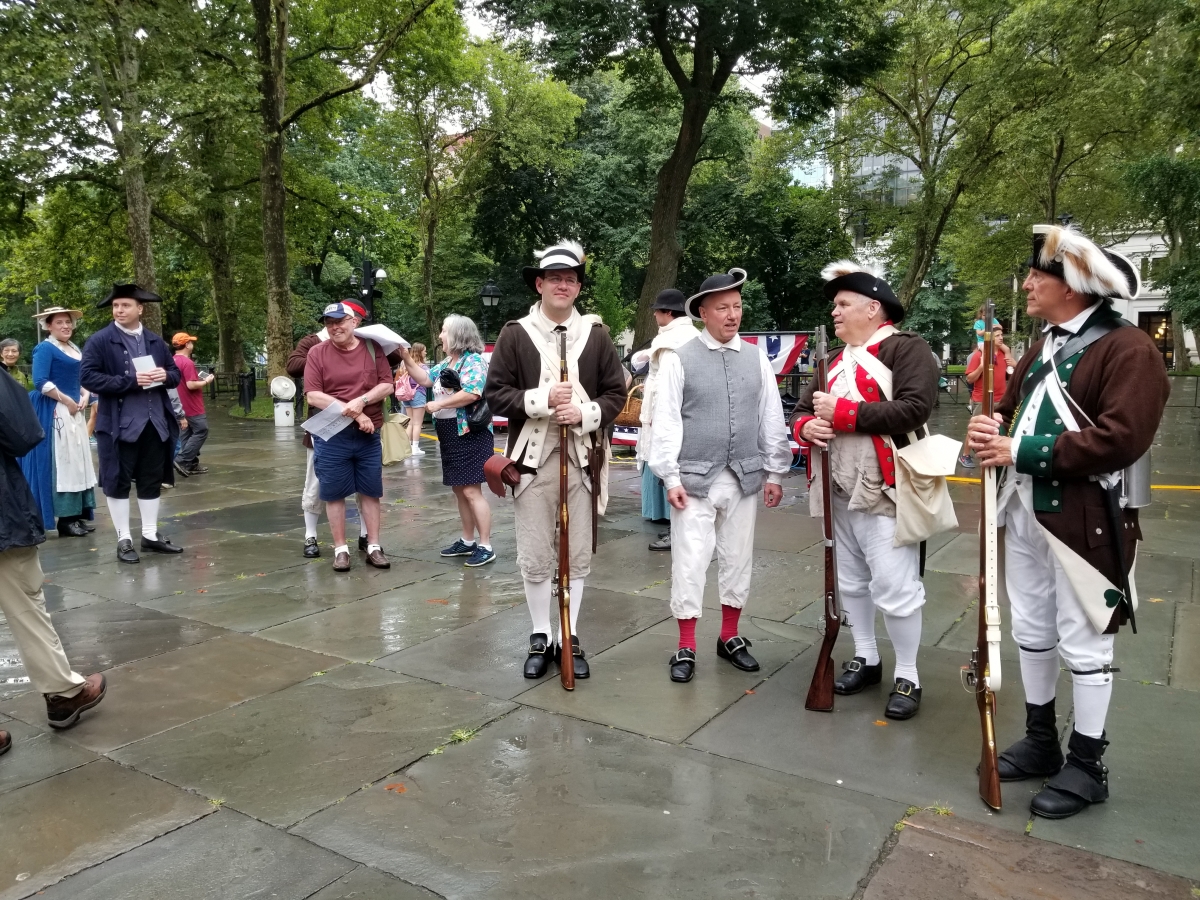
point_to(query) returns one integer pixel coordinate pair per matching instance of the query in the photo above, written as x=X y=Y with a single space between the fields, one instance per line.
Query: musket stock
x=983 y=674
x=566 y=666
x=820 y=690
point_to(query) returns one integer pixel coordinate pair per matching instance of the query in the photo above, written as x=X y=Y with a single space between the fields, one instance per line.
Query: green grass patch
x=261 y=407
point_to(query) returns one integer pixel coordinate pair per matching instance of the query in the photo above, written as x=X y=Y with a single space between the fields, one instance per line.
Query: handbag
x=501 y=472
x=478 y=414
x=631 y=412
x=397 y=446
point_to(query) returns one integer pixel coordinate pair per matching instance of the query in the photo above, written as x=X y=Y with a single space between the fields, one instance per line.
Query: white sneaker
x=417 y=451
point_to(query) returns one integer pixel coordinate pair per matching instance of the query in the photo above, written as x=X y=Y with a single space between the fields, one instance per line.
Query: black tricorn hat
x=669 y=300
x=714 y=284
x=563 y=255
x=846 y=275
x=128 y=292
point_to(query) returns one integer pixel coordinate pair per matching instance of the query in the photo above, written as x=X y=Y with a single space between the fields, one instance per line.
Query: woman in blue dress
x=59 y=469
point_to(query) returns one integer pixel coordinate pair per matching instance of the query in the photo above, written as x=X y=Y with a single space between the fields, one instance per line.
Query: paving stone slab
x=939 y=857
x=544 y=806
x=389 y=622
x=627 y=566
x=154 y=695
x=630 y=687
x=286 y=755
x=104 y=635
x=258 y=517
x=370 y=884
x=1154 y=778
x=36 y=754
x=1167 y=538
x=959 y=557
x=922 y=761
x=489 y=655
x=1185 y=658
x=1164 y=577
x=775 y=530
x=82 y=817
x=59 y=598
x=225 y=855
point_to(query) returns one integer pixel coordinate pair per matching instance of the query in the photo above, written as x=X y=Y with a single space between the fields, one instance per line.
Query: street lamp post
x=490 y=296
x=364 y=285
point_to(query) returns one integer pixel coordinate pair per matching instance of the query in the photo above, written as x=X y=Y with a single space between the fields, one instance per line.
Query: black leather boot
x=1036 y=755
x=541 y=654
x=1078 y=784
x=857 y=675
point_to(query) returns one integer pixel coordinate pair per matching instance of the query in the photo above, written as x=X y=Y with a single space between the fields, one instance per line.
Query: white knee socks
x=861 y=611
x=539 y=595
x=1039 y=675
x=118 y=510
x=310 y=524
x=148 y=509
x=905 y=633
x=1091 y=707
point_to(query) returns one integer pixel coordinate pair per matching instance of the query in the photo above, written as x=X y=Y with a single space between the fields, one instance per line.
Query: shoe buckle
x=904 y=689
x=736 y=643
x=852 y=666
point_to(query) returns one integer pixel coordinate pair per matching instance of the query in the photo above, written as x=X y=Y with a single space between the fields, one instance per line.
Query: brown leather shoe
x=5 y=742
x=63 y=712
x=378 y=560
x=341 y=562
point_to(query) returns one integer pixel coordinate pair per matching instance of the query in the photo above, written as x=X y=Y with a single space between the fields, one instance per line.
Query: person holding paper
x=356 y=374
x=130 y=368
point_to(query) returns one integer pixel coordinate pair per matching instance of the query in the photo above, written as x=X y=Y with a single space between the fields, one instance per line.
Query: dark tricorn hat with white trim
x=714 y=284
x=128 y=292
x=847 y=275
x=563 y=255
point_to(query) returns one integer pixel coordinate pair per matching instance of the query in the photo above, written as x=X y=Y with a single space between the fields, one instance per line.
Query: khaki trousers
x=24 y=606
x=536 y=515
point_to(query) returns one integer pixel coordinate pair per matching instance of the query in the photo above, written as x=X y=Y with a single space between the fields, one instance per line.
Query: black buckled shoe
x=87 y=526
x=582 y=670
x=541 y=653
x=71 y=528
x=1082 y=781
x=160 y=545
x=857 y=675
x=735 y=650
x=311 y=548
x=904 y=701
x=683 y=665
x=126 y=553
x=1036 y=755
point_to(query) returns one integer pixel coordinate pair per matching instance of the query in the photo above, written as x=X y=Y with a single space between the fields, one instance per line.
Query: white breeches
x=310 y=500
x=1045 y=610
x=723 y=520
x=870 y=567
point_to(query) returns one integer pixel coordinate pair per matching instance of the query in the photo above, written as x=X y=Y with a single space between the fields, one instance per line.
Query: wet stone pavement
x=275 y=729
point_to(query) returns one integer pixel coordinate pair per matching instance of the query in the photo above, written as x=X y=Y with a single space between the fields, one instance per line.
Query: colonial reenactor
x=881 y=389
x=1082 y=405
x=524 y=385
x=719 y=438
x=130 y=368
x=675 y=328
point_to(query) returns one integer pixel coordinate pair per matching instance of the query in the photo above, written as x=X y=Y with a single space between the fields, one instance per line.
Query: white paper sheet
x=145 y=364
x=387 y=339
x=327 y=422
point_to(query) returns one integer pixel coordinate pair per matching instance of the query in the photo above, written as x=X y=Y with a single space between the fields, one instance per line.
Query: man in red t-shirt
x=356 y=374
x=191 y=398
x=1004 y=364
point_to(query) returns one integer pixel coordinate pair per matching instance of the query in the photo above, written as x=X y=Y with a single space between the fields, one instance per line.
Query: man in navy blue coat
x=130 y=368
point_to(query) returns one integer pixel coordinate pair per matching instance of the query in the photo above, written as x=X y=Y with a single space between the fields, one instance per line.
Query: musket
x=562 y=577
x=820 y=691
x=982 y=676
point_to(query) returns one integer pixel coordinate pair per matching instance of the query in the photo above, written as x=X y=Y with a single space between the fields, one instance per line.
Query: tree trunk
x=428 y=239
x=926 y=237
x=271 y=39
x=137 y=203
x=662 y=268
x=230 y=359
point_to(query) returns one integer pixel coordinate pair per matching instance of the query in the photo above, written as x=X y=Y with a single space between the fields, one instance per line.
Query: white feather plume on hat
x=572 y=246
x=1086 y=269
x=846 y=267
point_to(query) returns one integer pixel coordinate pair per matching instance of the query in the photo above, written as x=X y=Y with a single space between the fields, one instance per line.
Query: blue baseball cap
x=338 y=311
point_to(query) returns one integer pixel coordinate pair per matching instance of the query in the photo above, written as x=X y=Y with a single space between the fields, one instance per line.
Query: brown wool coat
x=1122 y=385
x=516 y=367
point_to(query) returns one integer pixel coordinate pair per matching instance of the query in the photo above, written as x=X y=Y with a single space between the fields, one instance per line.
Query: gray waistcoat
x=721 y=391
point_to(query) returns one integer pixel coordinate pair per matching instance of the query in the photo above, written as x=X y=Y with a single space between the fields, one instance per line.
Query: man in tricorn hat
x=719 y=437
x=524 y=385
x=130 y=368
x=881 y=389
x=675 y=329
x=1081 y=407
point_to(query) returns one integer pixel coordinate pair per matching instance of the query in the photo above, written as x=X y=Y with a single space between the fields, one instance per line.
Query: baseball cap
x=339 y=311
x=182 y=337
x=358 y=310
